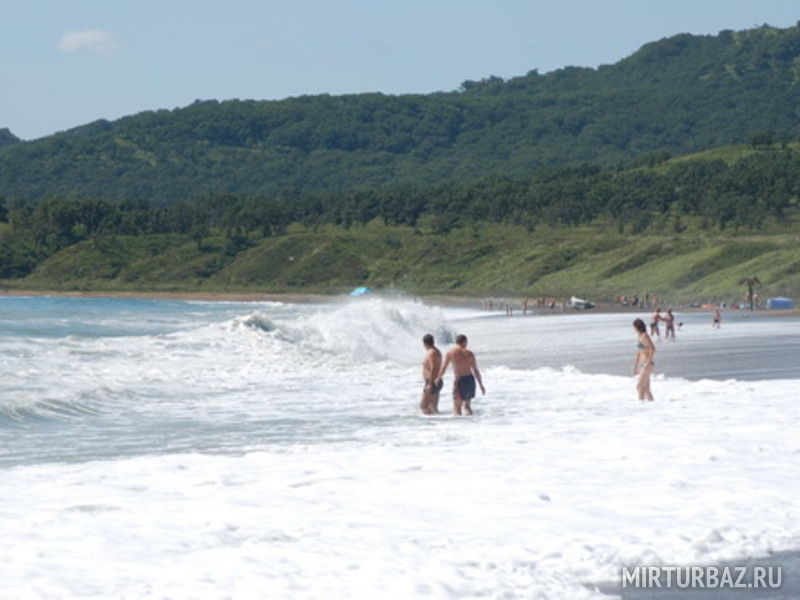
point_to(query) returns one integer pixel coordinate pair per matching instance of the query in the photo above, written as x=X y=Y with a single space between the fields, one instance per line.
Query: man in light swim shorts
x=465 y=370
x=430 y=369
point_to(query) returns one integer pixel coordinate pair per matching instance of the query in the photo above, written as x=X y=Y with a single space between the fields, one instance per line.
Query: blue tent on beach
x=780 y=303
x=360 y=291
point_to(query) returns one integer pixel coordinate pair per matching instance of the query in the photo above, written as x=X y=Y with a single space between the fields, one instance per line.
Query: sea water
x=171 y=449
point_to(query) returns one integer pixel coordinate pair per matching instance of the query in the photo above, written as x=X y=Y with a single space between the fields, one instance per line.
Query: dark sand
x=476 y=302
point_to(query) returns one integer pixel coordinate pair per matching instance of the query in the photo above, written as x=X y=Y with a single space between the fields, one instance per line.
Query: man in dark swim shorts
x=464 y=387
x=465 y=369
x=430 y=369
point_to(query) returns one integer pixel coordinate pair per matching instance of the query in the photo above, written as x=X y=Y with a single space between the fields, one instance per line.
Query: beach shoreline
x=127 y=415
x=298 y=298
x=477 y=302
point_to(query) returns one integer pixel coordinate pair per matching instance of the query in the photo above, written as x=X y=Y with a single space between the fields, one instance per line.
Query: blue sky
x=68 y=62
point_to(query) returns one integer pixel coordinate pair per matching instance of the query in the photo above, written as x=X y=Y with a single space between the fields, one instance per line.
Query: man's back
x=465 y=369
x=462 y=359
x=432 y=364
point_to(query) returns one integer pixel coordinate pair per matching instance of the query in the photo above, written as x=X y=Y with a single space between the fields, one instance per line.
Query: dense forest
x=676 y=95
x=437 y=191
x=761 y=187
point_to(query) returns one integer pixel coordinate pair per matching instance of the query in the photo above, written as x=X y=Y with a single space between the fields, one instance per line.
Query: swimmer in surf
x=430 y=370
x=643 y=363
x=466 y=373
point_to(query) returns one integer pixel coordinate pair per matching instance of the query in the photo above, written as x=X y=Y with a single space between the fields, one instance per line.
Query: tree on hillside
x=674 y=96
x=762 y=139
x=751 y=283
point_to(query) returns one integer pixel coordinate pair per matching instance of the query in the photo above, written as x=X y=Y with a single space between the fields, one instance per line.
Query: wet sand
x=312 y=298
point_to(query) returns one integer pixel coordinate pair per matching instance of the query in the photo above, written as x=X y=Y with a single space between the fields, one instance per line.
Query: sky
x=65 y=63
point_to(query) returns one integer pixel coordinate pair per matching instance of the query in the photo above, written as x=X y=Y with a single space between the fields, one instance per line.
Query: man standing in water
x=430 y=369
x=465 y=370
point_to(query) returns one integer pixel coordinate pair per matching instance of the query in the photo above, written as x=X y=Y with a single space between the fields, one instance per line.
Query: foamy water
x=206 y=450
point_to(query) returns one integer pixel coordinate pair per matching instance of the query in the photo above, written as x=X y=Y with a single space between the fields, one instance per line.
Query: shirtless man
x=669 y=323
x=654 y=320
x=465 y=370
x=430 y=369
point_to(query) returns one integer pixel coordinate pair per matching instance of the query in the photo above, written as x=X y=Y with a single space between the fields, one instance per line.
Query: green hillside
x=675 y=171
x=688 y=228
x=677 y=95
x=496 y=260
x=7 y=138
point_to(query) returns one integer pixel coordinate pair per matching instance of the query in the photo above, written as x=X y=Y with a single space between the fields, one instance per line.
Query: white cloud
x=88 y=41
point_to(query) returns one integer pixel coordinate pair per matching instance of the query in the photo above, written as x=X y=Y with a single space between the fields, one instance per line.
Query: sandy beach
x=311 y=298
x=261 y=447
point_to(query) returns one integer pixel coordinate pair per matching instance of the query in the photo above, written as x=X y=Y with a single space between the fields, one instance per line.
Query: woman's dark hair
x=640 y=326
x=427 y=339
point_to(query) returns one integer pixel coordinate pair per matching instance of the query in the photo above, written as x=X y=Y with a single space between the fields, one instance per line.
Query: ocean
x=188 y=449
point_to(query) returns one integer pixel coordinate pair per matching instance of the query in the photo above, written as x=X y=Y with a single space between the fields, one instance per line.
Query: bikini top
x=641 y=346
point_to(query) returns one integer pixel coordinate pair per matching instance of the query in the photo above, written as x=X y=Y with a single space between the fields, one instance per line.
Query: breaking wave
x=374 y=329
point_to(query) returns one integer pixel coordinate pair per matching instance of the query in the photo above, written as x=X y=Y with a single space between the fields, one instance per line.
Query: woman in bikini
x=644 y=365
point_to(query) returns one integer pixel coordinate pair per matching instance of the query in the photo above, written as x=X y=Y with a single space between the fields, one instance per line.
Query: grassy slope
x=491 y=260
x=495 y=260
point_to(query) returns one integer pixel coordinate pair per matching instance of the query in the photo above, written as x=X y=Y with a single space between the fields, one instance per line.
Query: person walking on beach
x=669 y=324
x=654 y=322
x=466 y=373
x=717 y=322
x=643 y=365
x=430 y=369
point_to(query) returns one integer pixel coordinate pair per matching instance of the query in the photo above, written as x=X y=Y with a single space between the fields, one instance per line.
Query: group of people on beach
x=525 y=305
x=466 y=372
x=467 y=375
x=645 y=349
x=645 y=301
x=669 y=324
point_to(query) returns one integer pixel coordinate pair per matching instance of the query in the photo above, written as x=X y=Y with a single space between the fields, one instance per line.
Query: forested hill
x=676 y=95
x=7 y=138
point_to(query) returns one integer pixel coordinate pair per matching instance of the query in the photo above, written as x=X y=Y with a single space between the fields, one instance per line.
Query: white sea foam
x=278 y=453
x=364 y=330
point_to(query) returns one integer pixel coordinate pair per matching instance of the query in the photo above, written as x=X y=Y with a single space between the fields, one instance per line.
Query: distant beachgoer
x=669 y=323
x=717 y=321
x=430 y=369
x=465 y=372
x=654 y=319
x=643 y=365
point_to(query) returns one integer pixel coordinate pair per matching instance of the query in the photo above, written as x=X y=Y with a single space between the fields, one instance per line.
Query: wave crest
x=374 y=329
